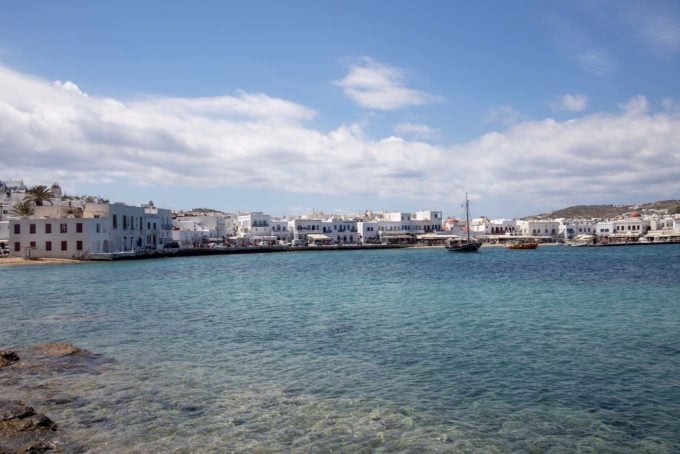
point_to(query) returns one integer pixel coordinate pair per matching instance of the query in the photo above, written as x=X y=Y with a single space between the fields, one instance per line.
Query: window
x=33 y=244
x=63 y=228
x=17 y=247
x=64 y=245
x=48 y=228
x=79 y=245
x=124 y=222
x=98 y=228
x=31 y=228
x=17 y=229
x=115 y=221
x=79 y=227
x=48 y=245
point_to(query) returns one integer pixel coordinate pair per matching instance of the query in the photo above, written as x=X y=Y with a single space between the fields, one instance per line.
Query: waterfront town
x=44 y=222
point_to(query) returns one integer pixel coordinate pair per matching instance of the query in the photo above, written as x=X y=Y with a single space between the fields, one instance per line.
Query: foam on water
x=557 y=349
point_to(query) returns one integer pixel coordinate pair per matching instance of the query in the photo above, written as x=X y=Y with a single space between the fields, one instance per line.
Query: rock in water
x=8 y=358
x=58 y=348
x=24 y=430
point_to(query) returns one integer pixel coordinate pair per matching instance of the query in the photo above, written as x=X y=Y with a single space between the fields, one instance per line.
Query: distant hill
x=609 y=211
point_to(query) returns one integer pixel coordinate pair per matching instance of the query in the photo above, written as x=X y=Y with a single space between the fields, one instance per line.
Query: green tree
x=39 y=195
x=22 y=209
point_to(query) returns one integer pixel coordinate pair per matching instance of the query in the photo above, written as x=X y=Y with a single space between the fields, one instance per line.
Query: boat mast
x=467 y=217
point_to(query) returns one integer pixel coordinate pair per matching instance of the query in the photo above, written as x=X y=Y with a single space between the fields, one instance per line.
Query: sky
x=289 y=106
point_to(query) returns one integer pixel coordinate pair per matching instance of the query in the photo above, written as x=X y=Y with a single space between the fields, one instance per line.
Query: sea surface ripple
x=553 y=350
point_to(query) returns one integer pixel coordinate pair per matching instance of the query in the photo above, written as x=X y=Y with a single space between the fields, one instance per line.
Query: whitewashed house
x=541 y=228
x=486 y=226
x=304 y=231
x=280 y=230
x=340 y=231
x=633 y=226
x=98 y=228
x=399 y=227
x=571 y=228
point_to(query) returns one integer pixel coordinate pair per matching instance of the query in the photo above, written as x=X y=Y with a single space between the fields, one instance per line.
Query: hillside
x=609 y=211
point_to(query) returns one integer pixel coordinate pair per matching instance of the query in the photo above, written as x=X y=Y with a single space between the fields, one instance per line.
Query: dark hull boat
x=468 y=245
x=463 y=247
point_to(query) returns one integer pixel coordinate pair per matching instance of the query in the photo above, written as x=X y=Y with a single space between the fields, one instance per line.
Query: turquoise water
x=557 y=349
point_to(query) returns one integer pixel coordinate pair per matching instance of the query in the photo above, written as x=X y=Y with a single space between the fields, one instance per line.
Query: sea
x=555 y=350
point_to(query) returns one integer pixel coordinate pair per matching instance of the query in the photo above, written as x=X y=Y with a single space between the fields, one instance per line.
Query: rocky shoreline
x=23 y=429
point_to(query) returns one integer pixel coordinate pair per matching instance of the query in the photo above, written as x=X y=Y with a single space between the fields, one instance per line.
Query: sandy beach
x=18 y=261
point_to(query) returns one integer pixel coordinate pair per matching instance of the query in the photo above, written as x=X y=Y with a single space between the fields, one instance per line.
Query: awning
x=318 y=237
x=660 y=233
x=396 y=237
x=263 y=238
x=434 y=236
x=584 y=237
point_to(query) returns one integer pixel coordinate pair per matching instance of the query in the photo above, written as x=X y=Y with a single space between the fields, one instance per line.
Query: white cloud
x=571 y=103
x=416 y=130
x=504 y=115
x=373 y=85
x=68 y=86
x=635 y=106
x=252 y=140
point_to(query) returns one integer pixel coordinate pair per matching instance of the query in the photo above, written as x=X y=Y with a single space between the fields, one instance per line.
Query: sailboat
x=463 y=245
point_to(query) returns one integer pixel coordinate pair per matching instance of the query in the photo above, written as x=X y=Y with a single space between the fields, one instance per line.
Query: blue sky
x=289 y=106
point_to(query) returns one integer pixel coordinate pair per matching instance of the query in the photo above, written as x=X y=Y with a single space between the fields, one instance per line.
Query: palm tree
x=22 y=209
x=39 y=194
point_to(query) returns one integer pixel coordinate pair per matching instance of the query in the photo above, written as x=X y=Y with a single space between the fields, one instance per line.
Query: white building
x=633 y=226
x=280 y=230
x=544 y=228
x=254 y=224
x=570 y=228
x=304 y=231
x=190 y=237
x=11 y=192
x=399 y=227
x=340 y=231
x=486 y=226
x=430 y=221
x=191 y=229
x=98 y=228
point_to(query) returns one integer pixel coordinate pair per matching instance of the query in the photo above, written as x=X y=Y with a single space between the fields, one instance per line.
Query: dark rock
x=9 y=355
x=22 y=430
x=8 y=358
x=58 y=349
x=12 y=409
x=35 y=422
x=189 y=409
x=35 y=447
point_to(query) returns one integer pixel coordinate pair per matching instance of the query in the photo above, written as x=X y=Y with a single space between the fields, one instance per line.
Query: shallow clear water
x=557 y=349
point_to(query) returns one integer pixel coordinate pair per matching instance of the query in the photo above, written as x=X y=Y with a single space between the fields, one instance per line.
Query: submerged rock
x=8 y=358
x=58 y=349
x=24 y=430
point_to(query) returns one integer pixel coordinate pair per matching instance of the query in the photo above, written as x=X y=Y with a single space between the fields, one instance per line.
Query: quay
x=192 y=252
